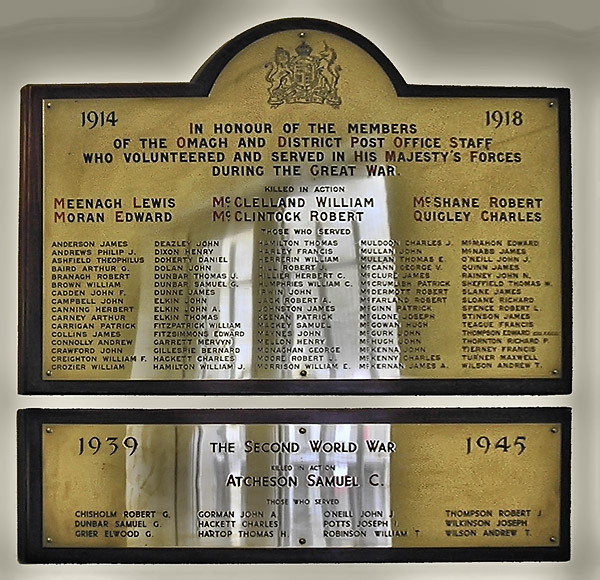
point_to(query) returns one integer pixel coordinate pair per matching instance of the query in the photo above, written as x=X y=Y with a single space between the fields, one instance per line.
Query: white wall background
x=468 y=42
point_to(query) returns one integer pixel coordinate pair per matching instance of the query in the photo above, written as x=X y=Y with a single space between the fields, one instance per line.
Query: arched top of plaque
x=300 y=61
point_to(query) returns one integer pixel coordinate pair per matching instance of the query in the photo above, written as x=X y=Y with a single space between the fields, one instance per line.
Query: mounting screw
x=49 y=105
x=49 y=430
x=555 y=372
x=554 y=430
x=302 y=541
x=303 y=373
x=551 y=104
x=302 y=34
x=552 y=539
x=302 y=430
x=48 y=373
x=48 y=540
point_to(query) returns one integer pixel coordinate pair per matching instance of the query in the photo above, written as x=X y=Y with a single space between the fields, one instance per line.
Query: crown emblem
x=303 y=49
x=303 y=78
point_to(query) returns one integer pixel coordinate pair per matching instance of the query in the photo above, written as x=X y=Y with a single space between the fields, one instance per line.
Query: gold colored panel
x=270 y=231
x=467 y=485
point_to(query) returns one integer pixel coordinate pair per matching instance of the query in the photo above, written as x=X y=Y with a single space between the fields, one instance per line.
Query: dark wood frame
x=30 y=539
x=30 y=238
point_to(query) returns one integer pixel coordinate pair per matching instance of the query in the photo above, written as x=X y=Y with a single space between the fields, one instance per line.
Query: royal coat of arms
x=304 y=78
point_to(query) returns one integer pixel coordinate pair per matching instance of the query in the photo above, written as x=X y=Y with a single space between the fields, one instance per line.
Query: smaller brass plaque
x=486 y=483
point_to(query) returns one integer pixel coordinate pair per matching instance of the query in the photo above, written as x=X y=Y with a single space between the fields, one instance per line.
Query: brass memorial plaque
x=302 y=214
x=450 y=480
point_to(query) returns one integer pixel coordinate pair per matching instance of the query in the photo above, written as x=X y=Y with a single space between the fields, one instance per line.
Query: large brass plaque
x=429 y=484
x=304 y=221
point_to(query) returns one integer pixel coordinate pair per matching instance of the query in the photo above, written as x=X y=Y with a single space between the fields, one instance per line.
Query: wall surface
x=464 y=42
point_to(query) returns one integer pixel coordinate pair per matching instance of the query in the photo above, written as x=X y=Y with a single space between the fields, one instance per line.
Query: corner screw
x=302 y=34
x=49 y=540
x=49 y=105
x=551 y=104
x=48 y=430
x=555 y=372
x=552 y=539
x=554 y=430
x=48 y=373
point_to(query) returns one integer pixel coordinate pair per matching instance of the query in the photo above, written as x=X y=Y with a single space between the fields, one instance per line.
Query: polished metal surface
x=280 y=229
x=301 y=485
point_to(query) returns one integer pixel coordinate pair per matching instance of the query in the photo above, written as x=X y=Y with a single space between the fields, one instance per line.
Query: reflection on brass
x=466 y=485
x=301 y=222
